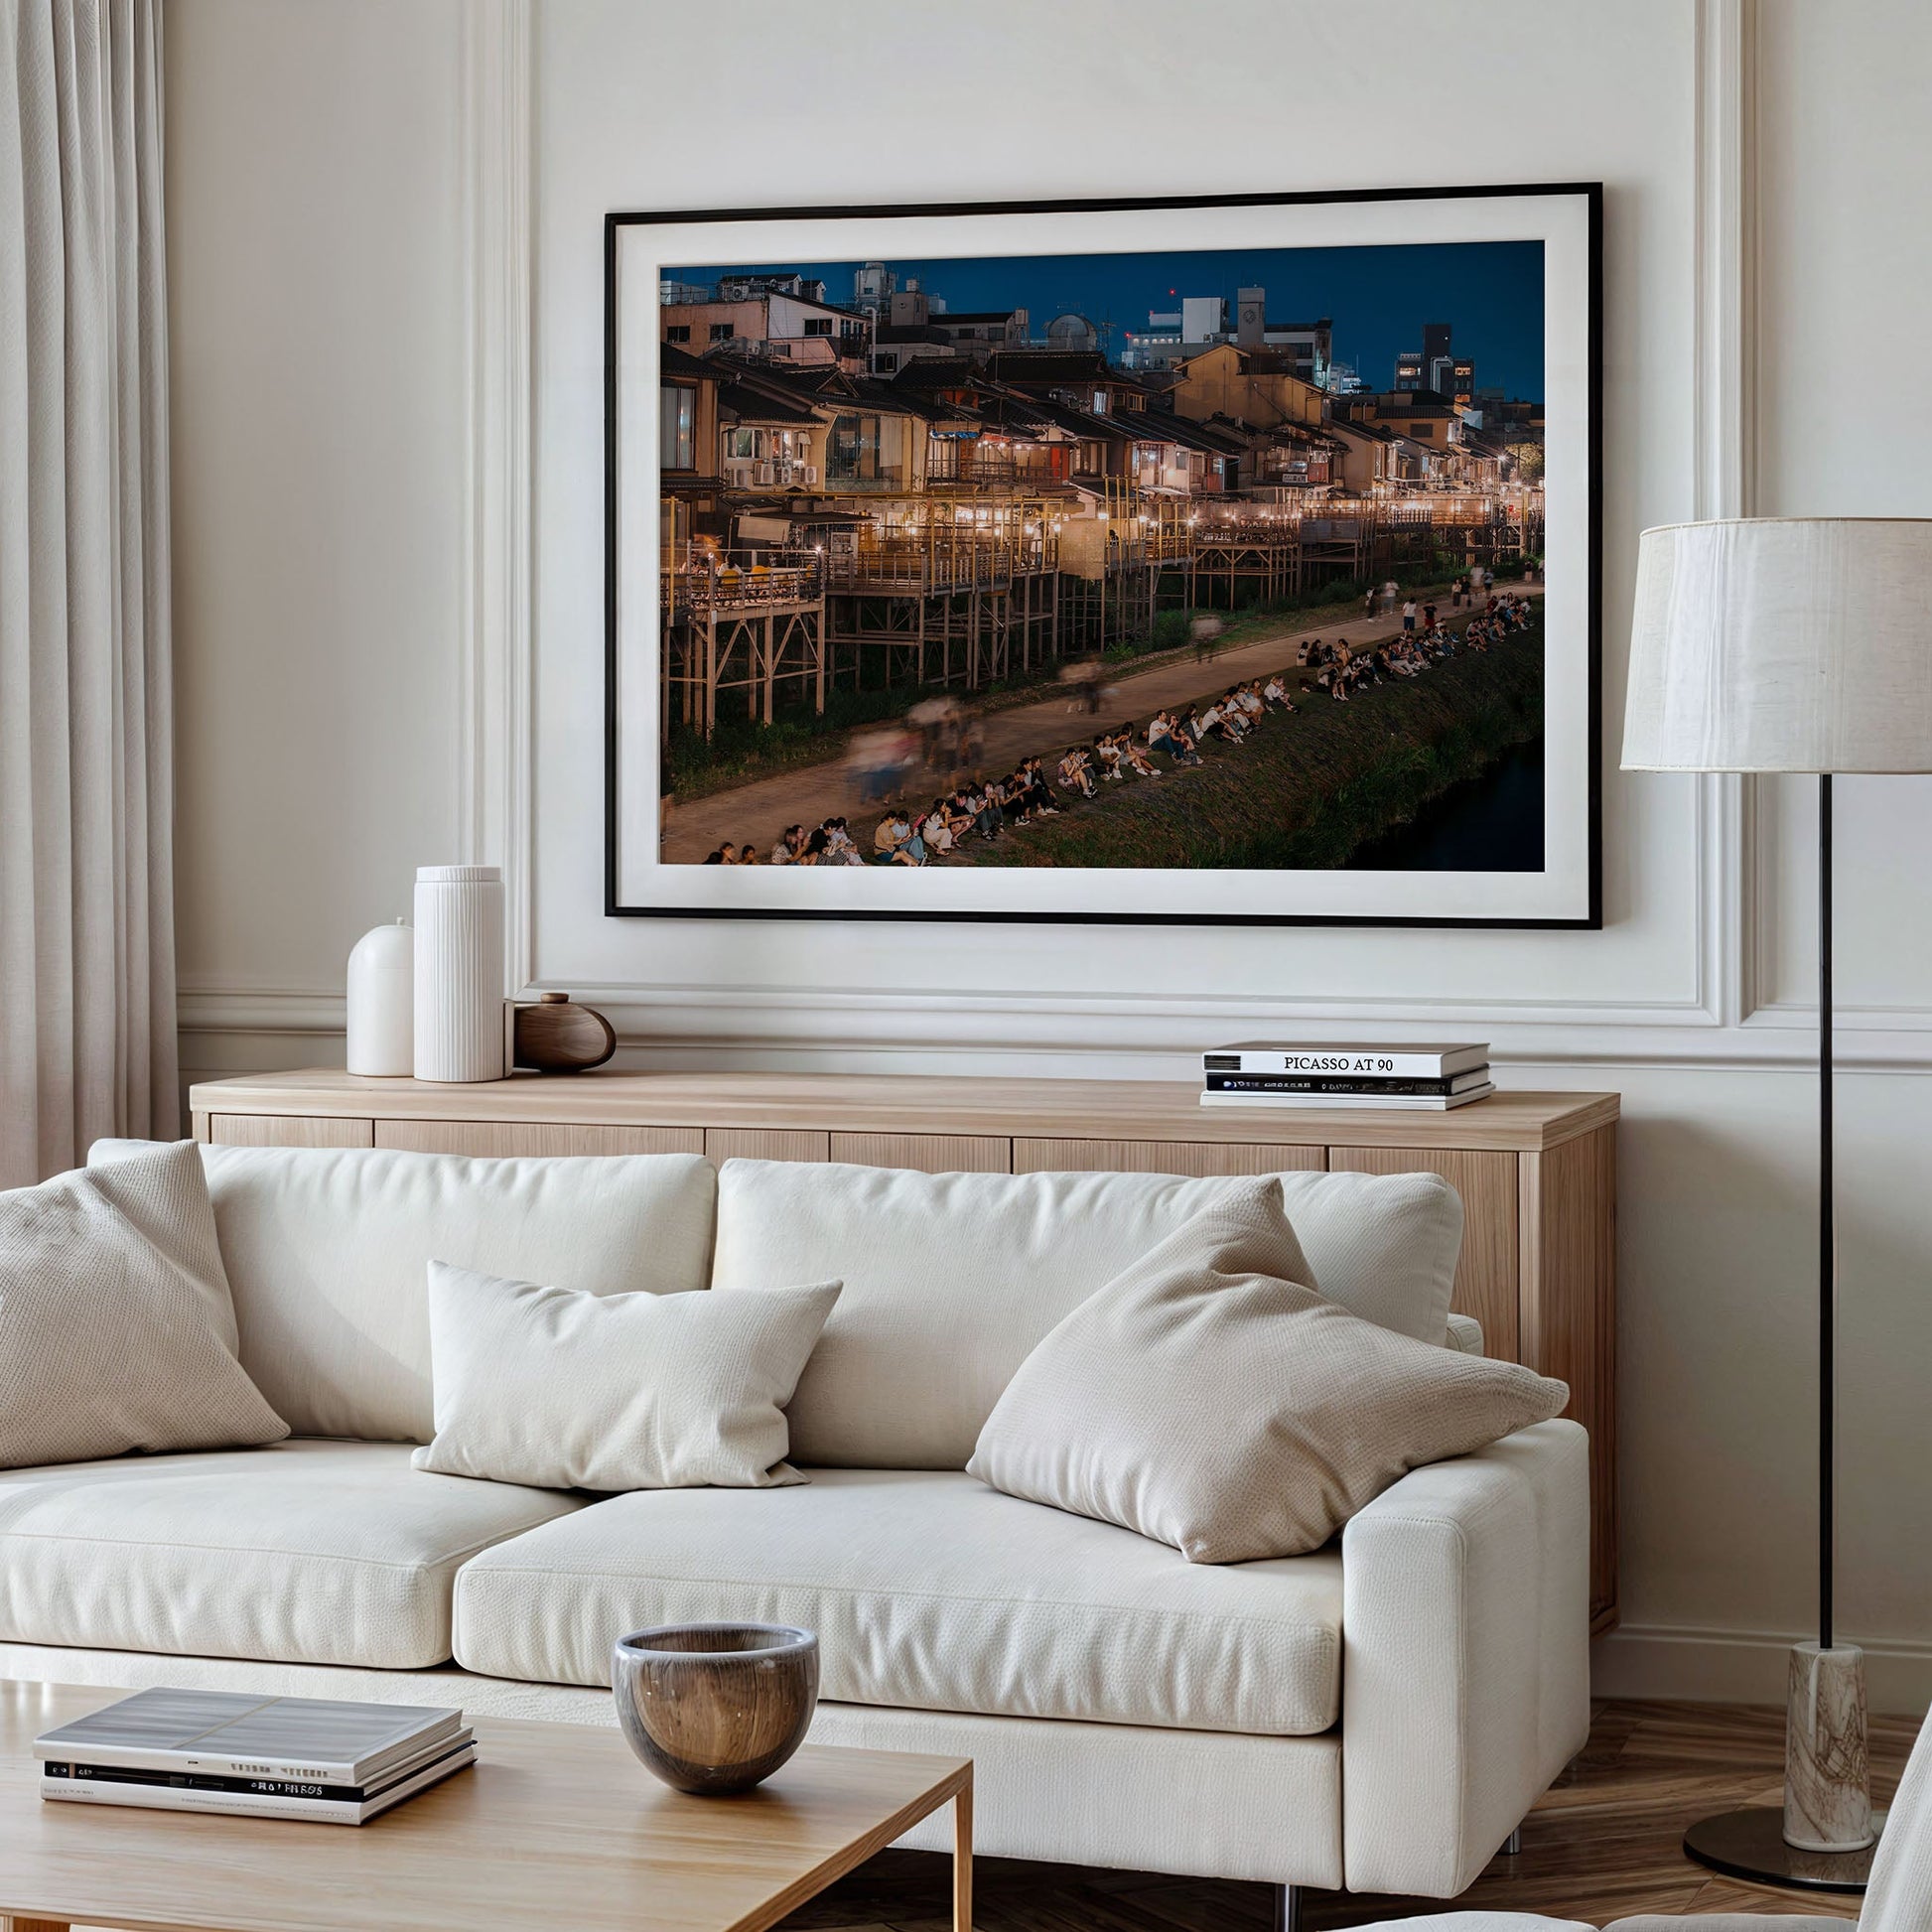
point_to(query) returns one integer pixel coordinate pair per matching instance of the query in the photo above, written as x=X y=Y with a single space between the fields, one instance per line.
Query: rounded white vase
x=382 y=1002
x=459 y=1019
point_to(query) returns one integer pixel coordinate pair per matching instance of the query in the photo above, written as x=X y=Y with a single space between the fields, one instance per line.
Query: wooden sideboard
x=1537 y=1172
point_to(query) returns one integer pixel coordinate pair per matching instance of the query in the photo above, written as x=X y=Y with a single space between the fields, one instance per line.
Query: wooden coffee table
x=557 y=1825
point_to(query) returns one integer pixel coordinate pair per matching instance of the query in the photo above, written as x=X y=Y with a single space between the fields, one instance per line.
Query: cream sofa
x=1376 y=1716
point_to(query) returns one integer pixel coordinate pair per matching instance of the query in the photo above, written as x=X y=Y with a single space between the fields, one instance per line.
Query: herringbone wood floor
x=1602 y=1844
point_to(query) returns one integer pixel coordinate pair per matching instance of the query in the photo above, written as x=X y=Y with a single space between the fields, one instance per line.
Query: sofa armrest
x=1466 y=1647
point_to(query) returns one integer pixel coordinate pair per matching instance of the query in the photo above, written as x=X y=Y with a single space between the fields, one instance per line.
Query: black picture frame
x=1591 y=193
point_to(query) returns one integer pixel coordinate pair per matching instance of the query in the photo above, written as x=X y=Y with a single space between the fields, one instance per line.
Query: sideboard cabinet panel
x=928 y=1153
x=288 y=1130
x=721 y=1144
x=510 y=1137
x=1486 y=1275
x=1201 y=1158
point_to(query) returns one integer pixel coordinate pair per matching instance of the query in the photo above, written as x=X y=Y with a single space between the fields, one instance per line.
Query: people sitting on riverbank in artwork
x=895 y=843
x=1038 y=790
x=1163 y=734
x=976 y=808
x=839 y=850
x=1075 y=773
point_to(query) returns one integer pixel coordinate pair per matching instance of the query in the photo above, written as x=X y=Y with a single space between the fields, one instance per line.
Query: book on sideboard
x=1352 y=1060
x=1319 y=1102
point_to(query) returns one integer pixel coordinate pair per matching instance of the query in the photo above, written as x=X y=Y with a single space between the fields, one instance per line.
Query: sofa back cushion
x=950 y=1280
x=327 y=1253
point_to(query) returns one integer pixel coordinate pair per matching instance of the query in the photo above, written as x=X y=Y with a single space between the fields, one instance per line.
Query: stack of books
x=1266 y=1073
x=253 y=1758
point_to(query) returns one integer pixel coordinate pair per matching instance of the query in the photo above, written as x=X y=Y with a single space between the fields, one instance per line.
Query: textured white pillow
x=116 y=1328
x=1206 y=1397
x=561 y=1389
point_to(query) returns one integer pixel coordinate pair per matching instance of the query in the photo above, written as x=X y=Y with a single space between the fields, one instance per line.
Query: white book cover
x=229 y=1734
x=1322 y=1103
x=1358 y=1058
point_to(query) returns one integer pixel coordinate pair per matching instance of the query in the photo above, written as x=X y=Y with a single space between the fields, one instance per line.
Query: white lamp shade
x=1782 y=644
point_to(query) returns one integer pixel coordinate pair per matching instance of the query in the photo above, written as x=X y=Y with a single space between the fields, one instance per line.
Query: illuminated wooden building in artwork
x=950 y=588
x=993 y=509
x=749 y=639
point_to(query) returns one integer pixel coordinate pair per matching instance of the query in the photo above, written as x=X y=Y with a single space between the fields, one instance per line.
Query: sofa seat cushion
x=928 y=1591
x=308 y=1552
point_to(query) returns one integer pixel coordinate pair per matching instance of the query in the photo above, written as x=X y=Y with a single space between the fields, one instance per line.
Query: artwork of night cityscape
x=1211 y=560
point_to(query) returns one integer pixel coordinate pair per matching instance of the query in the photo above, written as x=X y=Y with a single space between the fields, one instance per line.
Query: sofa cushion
x=951 y=1279
x=327 y=1253
x=571 y=1391
x=930 y=1591
x=308 y=1552
x=117 y=1330
x=1207 y=1397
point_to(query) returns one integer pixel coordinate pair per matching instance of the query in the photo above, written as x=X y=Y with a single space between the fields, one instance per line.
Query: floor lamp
x=1793 y=644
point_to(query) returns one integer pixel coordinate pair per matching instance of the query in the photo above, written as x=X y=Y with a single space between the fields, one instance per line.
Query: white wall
x=318 y=166
x=315 y=226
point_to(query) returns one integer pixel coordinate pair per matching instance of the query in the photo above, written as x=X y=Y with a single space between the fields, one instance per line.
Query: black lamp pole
x=1827 y=1258
x=1750 y=1844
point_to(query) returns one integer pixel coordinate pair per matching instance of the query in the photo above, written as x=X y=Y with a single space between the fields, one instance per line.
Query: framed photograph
x=1217 y=561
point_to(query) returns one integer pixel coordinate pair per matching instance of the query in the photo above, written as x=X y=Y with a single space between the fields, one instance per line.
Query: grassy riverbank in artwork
x=1307 y=793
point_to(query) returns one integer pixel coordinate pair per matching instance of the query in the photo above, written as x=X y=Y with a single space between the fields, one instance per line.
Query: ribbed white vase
x=459 y=973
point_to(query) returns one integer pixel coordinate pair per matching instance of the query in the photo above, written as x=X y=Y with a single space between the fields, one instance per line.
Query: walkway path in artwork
x=761 y=810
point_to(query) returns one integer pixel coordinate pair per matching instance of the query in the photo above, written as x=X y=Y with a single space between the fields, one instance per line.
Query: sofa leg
x=1513 y=1843
x=1287 y=1908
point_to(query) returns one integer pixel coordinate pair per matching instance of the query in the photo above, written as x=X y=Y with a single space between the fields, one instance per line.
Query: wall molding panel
x=495 y=670
x=1720 y=1023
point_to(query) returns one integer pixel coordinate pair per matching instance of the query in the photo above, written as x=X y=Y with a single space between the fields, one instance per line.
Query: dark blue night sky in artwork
x=1489 y=292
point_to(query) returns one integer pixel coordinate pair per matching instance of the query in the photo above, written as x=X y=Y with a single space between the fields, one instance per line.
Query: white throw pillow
x=116 y=1327
x=1208 y=1399
x=950 y=1279
x=561 y=1389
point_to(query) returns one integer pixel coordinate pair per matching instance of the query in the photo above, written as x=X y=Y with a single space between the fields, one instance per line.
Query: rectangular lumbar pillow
x=116 y=1327
x=561 y=1389
x=958 y=1276
x=1207 y=1398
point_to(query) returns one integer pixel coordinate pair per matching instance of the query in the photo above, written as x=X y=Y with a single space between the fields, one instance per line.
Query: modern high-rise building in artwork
x=1201 y=321
x=1437 y=367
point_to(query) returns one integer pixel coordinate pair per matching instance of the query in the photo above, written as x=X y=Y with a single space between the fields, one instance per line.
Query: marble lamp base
x=1823 y=1839
x=1826 y=1775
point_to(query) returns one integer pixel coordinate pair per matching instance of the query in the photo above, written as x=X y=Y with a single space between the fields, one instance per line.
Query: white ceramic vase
x=458 y=1021
x=382 y=1002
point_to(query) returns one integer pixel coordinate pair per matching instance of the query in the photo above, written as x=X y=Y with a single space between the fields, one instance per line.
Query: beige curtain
x=87 y=918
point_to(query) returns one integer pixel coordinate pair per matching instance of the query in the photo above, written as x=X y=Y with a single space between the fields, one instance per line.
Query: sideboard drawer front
x=513 y=1137
x=928 y=1153
x=288 y=1130
x=721 y=1144
x=1197 y=1158
x=1486 y=1277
